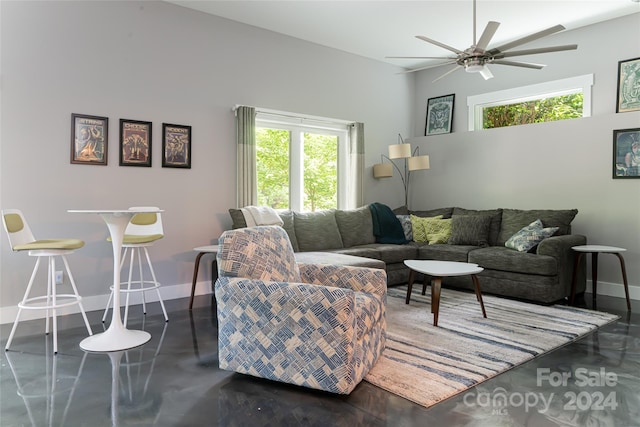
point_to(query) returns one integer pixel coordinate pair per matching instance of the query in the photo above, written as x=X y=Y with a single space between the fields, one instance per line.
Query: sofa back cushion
x=470 y=230
x=355 y=226
x=515 y=219
x=494 y=226
x=445 y=212
x=317 y=231
x=238 y=221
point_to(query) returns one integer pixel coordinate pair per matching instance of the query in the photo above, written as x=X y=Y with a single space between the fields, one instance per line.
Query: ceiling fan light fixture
x=474 y=68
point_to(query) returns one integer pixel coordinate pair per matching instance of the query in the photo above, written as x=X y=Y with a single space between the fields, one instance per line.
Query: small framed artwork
x=626 y=153
x=628 y=98
x=135 y=143
x=89 y=139
x=439 y=115
x=176 y=146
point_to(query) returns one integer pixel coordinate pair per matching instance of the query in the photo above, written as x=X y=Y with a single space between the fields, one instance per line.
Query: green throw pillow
x=431 y=229
x=530 y=236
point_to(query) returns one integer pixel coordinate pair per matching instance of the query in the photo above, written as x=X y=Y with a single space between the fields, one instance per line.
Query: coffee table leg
x=476 y=283
x=435 y=300
x=409 y=286
x=624 y=280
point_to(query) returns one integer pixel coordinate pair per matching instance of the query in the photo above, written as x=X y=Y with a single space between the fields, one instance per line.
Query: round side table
x=595 y=250
x=202 y=250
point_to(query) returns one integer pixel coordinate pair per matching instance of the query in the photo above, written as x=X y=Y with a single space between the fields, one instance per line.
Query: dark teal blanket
x=386 y=225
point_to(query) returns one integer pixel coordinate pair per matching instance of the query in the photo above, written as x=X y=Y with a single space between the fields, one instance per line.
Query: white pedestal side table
x=594 y=250
x=437 y=270
x=116 y=337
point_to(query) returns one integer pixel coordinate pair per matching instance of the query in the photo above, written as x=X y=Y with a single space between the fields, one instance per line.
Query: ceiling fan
x=475 y=58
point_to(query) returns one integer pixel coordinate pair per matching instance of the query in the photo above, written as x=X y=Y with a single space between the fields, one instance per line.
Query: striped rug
x=427 y=364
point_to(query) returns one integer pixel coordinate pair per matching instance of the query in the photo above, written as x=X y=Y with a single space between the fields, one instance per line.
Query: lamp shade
x=399 y=151
x=418 y=163
x=382 y=170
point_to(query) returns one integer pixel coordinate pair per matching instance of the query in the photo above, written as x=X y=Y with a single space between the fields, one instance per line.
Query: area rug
x=427 y=364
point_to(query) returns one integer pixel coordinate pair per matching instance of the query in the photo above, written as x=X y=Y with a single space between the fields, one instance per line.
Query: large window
x=557 y=100
x=301 y=162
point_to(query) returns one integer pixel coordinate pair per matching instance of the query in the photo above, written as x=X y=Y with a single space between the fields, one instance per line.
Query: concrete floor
x=174 y=380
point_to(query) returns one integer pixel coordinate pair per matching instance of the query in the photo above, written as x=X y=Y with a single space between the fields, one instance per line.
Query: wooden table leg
x=409 y=286
x=576 y=265
x=435 y=300
x=624 y=280
x=424 y=284
x=476 y=284
x=594 y=276
x=195 y=278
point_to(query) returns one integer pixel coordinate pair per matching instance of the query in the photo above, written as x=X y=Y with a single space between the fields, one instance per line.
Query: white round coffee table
x=594 y=250
x=437 y=270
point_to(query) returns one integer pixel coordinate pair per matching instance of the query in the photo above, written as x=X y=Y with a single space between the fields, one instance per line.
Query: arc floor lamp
x=413 y=161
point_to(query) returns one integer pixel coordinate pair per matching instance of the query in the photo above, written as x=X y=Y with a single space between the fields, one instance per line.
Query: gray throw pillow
x=238 y=218
x=355 y=226
x=470 y=230
x=405 y=221
x=515 y=219
x=496 y=219
x=317 y=231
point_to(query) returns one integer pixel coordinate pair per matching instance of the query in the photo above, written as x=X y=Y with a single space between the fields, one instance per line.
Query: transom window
x=556 y=100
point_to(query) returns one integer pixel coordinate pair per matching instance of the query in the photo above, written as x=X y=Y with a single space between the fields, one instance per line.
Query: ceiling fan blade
x=526 y=39
x=519 y=64
x=420 y=57
x=486 y=73
x=536 y=51
x=442 y=45
x=486 y=36
x=447 y=73
x=426 y=67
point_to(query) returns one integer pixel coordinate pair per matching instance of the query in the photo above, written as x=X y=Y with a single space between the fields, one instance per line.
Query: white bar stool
x=21 y=239
x=143 y=231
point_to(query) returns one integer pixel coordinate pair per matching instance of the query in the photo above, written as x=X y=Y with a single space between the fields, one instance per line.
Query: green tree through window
x=537 y=111
x=318 y=173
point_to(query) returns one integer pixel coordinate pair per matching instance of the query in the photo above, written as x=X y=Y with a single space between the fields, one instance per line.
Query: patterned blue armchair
x=317 y=326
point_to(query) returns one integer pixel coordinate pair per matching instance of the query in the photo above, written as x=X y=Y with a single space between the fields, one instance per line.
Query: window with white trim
x=301 y=161
x=478 y=104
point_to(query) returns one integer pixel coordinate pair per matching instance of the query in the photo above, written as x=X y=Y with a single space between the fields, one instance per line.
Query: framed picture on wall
x=89 y=139
x=628 y=98
x=135 y=143
x=626 y=153
x=176 y=146
x=439 y=115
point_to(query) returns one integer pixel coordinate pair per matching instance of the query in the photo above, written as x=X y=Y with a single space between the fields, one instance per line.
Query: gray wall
x=156 y=62
x=549 y=165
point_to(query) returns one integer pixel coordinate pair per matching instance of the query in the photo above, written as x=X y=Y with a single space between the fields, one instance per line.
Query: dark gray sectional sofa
x=542 y=275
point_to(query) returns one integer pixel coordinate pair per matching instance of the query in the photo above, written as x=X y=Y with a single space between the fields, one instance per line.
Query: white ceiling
x=376 y=29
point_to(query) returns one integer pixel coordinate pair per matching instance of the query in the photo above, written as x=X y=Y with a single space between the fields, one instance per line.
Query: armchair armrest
x=289 y=332
x=359 y=279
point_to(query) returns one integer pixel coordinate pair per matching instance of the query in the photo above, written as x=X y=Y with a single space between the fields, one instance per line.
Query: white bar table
x=116 y=337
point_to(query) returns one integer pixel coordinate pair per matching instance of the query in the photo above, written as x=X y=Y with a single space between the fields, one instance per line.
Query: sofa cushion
x=445 y=212
x=405 y=221
x=367 y=251
x=317 y=231
x=514 y=219
x=237 y=218
x=496 y=219
x=287 y=219
x=356 y=226
x=444 y=252
x=529 y=236
x=502 y=258
x=390 y=253
x=470 y=230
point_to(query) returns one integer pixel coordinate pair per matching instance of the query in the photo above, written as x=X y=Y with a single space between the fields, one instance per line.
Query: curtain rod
x=295 y=115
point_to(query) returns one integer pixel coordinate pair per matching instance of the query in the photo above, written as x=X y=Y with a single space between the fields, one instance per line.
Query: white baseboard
x=614 y=290
x=99 y=302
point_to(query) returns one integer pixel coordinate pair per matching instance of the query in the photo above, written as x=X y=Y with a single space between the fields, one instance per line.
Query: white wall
x=555 y=165
x=157 y=62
